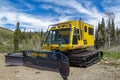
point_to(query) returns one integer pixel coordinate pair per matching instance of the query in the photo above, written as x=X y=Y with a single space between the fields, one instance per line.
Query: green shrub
x=112 y=54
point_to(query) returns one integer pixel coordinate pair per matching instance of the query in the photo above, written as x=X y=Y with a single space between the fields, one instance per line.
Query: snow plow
x=49 y=60
x=66 y=45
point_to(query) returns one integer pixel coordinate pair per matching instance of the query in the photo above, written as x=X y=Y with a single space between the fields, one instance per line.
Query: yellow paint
x=84 y=36
x=39 y=55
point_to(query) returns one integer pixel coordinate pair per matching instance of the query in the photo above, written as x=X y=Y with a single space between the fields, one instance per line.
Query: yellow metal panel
x=84 y=36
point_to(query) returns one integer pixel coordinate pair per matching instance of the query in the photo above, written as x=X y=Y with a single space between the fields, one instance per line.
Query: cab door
x=75 y=39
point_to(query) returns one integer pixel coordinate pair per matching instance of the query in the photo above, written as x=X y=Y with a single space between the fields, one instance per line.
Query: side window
x=49 y=37
x=78 y=34
x=85 y=28
x=81 y=34
x=53 y=35
x=91 y=31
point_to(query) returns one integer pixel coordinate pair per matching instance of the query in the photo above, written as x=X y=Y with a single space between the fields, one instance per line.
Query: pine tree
x=100 y=37
x=110 y=28
x=17 y=37
x=117 y=32
x=30 y=34
x=117 y=35
x=99 y=26
x=112 y=31
x=103 y=33
x=96 y=39
x=23 y=35
x=99 y=34
x=108 y=33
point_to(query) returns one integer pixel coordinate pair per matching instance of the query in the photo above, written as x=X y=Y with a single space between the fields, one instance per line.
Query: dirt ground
x=99 y=71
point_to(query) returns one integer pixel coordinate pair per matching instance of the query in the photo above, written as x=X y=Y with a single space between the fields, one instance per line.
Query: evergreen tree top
x=18 y=25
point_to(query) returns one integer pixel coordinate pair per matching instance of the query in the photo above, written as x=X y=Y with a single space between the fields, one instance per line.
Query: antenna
x=80 y=19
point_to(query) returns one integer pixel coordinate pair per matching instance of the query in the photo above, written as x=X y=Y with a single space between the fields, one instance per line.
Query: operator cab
x=69 y=35
x=58 y=37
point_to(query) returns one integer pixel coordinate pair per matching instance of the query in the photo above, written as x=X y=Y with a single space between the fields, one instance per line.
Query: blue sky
x=38 y=14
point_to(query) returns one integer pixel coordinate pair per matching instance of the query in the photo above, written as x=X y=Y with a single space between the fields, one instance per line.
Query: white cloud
x=30 y=6
x=46 y=6
x=29 y=21
x=76 y=6
x=57 y=9
x=10 y=15
x=90 y=11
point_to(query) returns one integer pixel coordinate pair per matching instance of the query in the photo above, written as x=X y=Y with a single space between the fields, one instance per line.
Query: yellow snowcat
x=67 y=44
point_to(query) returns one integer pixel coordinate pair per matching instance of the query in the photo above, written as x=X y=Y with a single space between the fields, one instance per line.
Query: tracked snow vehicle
x=66 y=45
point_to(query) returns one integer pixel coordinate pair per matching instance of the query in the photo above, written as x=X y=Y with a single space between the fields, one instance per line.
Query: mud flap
x=54 y=61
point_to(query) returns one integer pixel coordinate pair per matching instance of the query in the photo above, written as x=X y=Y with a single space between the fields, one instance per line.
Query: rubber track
x=85 y=59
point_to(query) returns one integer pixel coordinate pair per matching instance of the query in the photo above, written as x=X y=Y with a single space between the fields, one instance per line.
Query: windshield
x=59 y=36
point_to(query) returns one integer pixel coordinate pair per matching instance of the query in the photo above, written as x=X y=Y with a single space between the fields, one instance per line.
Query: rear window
x=85 y=28
x=91 y=31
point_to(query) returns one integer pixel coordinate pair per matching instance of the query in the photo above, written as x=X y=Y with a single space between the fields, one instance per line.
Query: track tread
x=85 y=59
